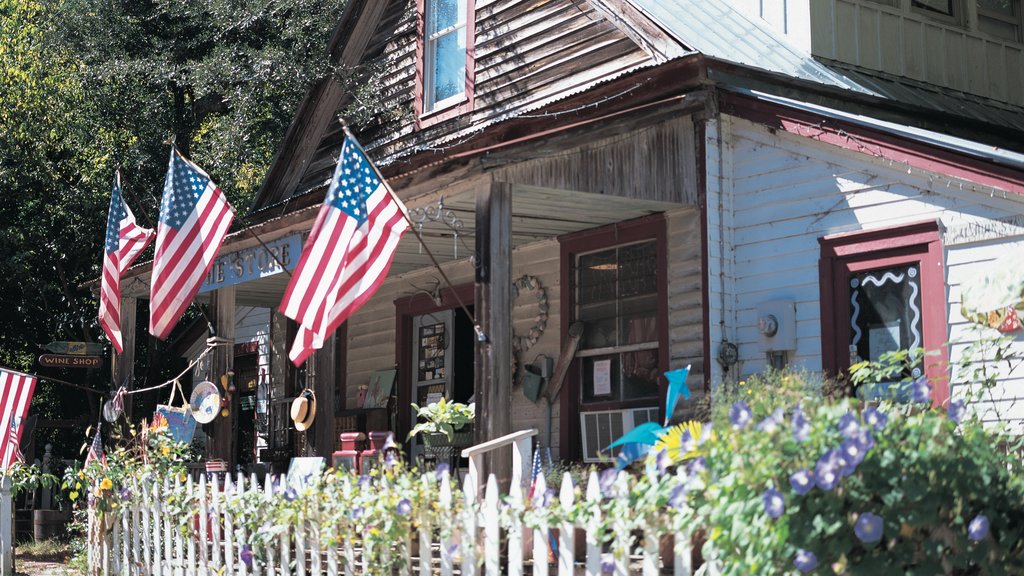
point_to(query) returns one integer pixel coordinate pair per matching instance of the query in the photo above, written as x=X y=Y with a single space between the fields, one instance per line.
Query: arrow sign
x=78 y=348
x=70 y=361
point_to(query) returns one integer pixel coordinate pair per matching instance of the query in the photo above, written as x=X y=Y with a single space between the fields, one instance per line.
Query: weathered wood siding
x=908 y=43
x=527 y=54
x=772 y=195
x=685 y=296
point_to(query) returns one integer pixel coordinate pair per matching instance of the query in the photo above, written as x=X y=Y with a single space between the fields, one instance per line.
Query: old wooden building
x=668 y=173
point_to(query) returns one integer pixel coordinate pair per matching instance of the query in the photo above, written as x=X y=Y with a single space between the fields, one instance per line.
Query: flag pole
x=476 y=326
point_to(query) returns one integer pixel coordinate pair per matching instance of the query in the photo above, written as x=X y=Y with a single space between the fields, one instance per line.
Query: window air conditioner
x=602 y=428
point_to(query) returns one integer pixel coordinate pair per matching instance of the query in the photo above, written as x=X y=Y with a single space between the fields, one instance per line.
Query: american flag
x=348 y=253
x=96 y=450
x=125 y=241
x=15 y=394
x=194 y=218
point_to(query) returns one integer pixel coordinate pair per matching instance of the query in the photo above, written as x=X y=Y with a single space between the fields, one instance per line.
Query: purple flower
x=441 y=469
x=404 y=507
x=956 y=411
x=978 y=528
x=606 y=480
x=774 y=503
x=126 y=494
x=801 y=427
x=245 y=555
x=772 y=421
x=875 y=418
x=740 y=414
x=363 y=481
x=661 y=459
x=390 y=459
x=677 y=498
x=607 y=566
x=921 y=390
x=849 y=425
x=697 y=466
x=705 y=433
x=869 y=528
x=357 y=512
x=852 y=453
x=826 y=475
x=544 y=500
x=290 y=494
x=805 y=560
x=802 y=481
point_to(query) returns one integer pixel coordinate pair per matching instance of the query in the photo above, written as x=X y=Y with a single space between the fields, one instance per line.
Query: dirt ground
x=26 y=567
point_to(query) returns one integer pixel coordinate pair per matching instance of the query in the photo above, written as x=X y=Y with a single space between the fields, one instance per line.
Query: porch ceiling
x=537 y=214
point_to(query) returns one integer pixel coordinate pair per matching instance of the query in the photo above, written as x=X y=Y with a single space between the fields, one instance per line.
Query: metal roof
x=718 y=30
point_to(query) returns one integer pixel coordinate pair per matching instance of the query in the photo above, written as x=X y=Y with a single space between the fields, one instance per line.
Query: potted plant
x=445 y=423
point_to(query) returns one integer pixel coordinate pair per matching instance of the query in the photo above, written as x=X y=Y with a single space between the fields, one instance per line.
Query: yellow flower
x=106 y=484
x=672 y=441
x=165 y=450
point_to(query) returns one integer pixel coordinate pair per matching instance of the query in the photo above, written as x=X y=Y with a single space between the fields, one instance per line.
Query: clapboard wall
x=772 y=195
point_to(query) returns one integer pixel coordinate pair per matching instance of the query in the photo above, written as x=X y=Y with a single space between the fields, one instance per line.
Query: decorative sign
x=253 y=263
x=79 y=348
x=70 y=361
x=180 y=423
x=379 y=389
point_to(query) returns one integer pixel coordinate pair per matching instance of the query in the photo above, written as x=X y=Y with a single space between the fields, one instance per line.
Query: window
x=614 y=283
x=883 y=291
x=1000 y=18
x=444 y=57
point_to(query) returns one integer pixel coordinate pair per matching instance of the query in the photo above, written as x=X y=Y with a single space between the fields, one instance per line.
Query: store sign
x=70 y=361
x=80 y=348
x=252 y=263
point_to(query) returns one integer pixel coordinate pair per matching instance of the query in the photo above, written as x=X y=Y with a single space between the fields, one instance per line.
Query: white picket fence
x=142 y=538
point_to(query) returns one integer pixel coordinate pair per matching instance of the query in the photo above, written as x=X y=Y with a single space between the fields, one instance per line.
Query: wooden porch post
x=493 y=378
x=222 y=440
x=326 y=379
x=123 y=366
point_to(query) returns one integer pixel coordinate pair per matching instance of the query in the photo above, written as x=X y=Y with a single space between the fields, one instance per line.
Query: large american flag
x=348 y=253
x=125 y=241
x=15 y=394
x=194 y=218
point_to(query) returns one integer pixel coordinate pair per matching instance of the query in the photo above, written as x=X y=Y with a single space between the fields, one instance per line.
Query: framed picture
x=378 y=391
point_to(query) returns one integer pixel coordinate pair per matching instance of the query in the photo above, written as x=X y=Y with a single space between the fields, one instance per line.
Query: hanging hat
x=304 y=410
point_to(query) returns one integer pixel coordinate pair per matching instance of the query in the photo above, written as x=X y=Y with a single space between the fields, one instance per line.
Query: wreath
x=521 y=287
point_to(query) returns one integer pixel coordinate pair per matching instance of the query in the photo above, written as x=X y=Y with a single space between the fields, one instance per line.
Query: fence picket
x=515 y=531
x=491 y=528
x=241 y=536
x=124 y=554
x=286 y=550
x=168 y=536
x=594 y=527
x=650 y=562
x=445 y=499
x=268 y=492
x=424 y=536
x=190 y=495
x=300 y=548
x=620 y=527
x=137 y=560
x=540 y=533
x=115 y=544
x=217 y=518
x=202 y=532
x=682 y=565
x=229 y=525
x=469 y=535
x=566 y=531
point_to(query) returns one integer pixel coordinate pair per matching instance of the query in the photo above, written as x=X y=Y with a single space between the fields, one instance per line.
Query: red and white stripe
x=16 y=391
x=184 y=257
x=342 y=265
x=133 y=240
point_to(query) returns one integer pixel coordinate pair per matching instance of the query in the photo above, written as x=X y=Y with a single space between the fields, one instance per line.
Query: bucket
x=531 y=380
x=48 y=524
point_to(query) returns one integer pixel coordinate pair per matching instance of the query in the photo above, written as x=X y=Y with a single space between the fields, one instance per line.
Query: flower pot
x=462 y=438
x=48 y=524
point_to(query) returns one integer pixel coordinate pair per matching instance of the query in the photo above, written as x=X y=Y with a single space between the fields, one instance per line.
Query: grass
x=44 y=551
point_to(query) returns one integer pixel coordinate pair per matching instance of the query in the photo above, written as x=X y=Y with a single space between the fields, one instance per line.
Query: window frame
x=595 y=240
x=453 y=106
x=1016 y=20
x=853 y=252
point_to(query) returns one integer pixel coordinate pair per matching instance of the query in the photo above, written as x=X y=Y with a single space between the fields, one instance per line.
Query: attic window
x=445 y=50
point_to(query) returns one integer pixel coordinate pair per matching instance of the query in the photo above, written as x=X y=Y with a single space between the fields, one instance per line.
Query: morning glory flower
x=404 y=507
x=805 y=561
x=705 y=433
x=544 y=500
x=978 y=528
x=875 y=418
x=865 y=440
x=853 y=454
x=441 y=469
x=126 y=494
x=772 y=421
x=826 y=473
x=662 y=461
x=363 y=481
x=290 y=494
x=801 y=427
x=849 y=425
x=869 y=528
x=357 y=512
x=677 y=498
x=774 y=503
x=740 y=414
x=921 y=390
x=607 y=566
x=956 y=411
x=245 y=555
x=697 y=466
x=802 y=481
x=606 y=480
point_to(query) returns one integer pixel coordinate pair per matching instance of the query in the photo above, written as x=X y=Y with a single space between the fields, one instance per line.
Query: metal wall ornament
x=440 y=214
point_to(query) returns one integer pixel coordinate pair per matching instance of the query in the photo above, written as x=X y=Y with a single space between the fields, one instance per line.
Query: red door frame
x=847 y=253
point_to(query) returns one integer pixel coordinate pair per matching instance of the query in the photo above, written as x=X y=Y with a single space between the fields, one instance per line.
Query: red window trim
x=844 y=253
x=645 y=228
x=426 y=119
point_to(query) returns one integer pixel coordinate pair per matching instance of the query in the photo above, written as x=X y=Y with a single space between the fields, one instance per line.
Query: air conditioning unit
x=602 y=428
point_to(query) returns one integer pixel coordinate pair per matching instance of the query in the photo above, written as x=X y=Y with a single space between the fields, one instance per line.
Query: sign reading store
x=252 y=263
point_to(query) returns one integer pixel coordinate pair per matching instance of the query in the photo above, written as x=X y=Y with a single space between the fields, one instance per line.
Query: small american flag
x=96 y=450
x=125 y=241
x=15 y=395
x=348 y=253
x=194 y=218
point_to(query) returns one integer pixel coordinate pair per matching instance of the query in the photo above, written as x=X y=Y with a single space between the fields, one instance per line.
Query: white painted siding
x=772 y=195
x=251 y=325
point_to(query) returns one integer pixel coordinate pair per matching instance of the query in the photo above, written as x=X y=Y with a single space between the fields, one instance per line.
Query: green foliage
x=28 y=478
x=442 y=417
x=926 y=476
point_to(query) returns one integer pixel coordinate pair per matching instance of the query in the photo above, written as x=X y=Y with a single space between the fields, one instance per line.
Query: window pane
x=638 y=270
x=444 y=14
x=598 y=275
x=1004 y=7
x=940 y=6
x=449 y=69
x=998 y=28
x=640 y=372
x=599 y=325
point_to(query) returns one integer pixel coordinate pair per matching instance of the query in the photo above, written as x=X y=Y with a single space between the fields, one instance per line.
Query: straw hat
x=304 y=410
